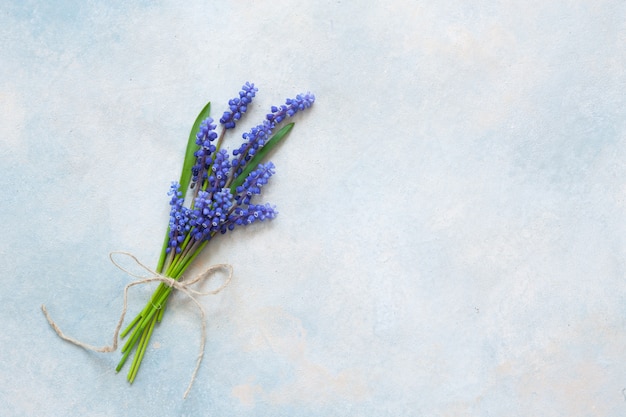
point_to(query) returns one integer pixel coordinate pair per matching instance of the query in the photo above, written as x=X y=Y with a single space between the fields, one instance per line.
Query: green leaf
x=185 y=175
x=190 y=159
x=258 y=157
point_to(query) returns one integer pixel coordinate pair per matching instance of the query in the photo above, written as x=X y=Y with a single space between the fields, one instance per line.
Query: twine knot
x=184 y=286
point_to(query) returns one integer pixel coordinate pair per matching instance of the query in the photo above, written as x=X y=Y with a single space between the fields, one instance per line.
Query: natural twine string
x=182 y=286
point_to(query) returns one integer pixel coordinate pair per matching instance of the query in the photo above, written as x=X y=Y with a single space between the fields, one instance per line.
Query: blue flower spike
x=238 y=105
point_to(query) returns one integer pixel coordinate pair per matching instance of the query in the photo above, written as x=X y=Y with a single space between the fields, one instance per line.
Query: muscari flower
x=253 y=182
x=260 y=134
x=210 y=214
x=179 y=219
x=254 y=140
x=291 y=107
x=251 y=214
x=204 y=138
x=238 y=105
x=219 y=171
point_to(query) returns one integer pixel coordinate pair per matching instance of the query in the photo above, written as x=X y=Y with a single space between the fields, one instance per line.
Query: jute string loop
x=183 y=286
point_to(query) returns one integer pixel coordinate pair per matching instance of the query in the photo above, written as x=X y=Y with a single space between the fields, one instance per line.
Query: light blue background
x=451 y=237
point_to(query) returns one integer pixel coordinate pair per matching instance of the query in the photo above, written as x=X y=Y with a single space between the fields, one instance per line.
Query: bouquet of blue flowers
x=220 y=191
x=215 y=194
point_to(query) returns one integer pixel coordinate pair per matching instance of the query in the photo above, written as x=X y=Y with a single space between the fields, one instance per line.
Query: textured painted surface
x=451 y=237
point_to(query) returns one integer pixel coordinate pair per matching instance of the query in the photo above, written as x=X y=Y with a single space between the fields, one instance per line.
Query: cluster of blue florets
x=219 y=171
x=253 y=213
x=210 y=214
x=204 y=139
x=238 y=105
x=253 y=183
x=217 y=206
x=179 y=219
x=291 y=107
x=254 y=140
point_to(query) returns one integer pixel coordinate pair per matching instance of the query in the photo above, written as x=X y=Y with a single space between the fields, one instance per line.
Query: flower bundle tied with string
x=215 y=194
x=220 y=193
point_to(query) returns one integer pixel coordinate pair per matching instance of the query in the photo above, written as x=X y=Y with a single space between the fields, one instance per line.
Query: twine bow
x=183 y=286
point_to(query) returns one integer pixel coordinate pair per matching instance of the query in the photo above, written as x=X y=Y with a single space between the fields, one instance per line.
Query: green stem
x=130 y=326
x=150 y=304
x=187 y=247
x=123 y=360
x=184 y=264
x=140 y=330
x=161 y=312
x=141 y=350
x=166 y=241
x=143 y=324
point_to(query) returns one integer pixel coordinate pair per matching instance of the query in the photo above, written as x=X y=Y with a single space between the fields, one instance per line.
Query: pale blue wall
x=452 y=210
